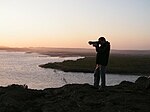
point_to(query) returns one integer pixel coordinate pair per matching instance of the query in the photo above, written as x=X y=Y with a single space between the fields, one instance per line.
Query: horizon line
x=71 y=48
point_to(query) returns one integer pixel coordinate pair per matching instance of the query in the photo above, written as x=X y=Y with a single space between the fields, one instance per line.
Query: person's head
x=102 y=40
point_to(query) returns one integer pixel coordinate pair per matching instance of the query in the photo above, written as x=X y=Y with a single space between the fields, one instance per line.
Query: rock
x=143 y=82
x=126 y=83
x=125 y=97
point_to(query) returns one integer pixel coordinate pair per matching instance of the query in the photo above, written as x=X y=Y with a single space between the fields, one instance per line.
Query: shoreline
x=118 y=64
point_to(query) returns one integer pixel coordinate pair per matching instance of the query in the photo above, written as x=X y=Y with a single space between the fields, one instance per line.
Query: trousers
x=100 y=71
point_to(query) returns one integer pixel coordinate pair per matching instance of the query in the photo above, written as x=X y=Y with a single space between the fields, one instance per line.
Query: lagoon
x=22 y=68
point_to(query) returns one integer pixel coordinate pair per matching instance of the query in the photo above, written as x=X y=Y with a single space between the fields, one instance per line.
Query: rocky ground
x=124 y=97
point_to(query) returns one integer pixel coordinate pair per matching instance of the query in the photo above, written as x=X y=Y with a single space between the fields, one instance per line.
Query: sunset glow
x=72 y=23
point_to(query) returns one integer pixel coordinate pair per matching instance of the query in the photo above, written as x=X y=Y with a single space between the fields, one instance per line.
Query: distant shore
x=68 y=52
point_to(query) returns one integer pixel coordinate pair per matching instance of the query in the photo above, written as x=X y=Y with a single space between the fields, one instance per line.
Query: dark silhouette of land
x=118 y=64
x=124 y=97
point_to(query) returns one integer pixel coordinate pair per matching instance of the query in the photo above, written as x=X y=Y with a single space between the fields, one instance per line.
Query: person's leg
x=96 y=77
x=102 y=72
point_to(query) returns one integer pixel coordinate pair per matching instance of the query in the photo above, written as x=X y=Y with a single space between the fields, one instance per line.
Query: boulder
x=143 y=82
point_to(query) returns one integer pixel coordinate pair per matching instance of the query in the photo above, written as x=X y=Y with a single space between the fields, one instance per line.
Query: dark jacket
x=103 y=54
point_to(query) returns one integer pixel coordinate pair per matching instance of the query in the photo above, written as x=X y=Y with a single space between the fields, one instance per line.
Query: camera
x=93 y=42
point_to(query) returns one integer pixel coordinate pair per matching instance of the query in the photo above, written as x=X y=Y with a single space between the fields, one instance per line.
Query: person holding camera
x=103 y=50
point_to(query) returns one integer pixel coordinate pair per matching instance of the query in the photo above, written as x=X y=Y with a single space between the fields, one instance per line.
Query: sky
x=72 y=23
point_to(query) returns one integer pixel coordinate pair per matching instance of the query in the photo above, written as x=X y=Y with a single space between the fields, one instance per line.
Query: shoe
x=101 y=89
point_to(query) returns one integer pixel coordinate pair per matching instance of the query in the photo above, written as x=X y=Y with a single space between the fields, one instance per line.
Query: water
x=22 y=68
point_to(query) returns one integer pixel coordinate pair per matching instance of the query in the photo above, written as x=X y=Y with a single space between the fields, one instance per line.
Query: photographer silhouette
x=103 y=49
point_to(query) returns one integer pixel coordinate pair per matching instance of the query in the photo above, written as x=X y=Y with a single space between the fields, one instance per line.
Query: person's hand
x=97 y=66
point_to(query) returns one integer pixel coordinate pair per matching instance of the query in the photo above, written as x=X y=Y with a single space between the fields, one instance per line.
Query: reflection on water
x=22 y=68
